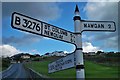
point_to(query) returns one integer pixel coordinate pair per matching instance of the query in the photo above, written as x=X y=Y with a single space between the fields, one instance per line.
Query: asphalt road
x=16 y=72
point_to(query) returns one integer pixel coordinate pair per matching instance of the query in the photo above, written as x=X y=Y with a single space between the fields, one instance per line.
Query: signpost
x=28 y=24
x=61 y=64
x=80 y=26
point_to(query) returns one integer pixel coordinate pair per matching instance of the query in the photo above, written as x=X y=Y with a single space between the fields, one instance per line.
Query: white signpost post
x=28 y=24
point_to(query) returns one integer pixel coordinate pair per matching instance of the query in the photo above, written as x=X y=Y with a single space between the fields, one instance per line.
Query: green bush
x=5 y=63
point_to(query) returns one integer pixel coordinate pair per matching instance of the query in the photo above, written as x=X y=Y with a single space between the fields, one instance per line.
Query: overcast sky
x=61 y=15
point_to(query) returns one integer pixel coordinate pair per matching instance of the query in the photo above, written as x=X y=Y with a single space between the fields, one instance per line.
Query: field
x=92 y=70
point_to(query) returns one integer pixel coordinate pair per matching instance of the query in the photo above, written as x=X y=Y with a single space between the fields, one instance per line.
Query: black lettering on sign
x=37 y=27
x=46 y=32
x=17 y=20
x=93 y=25
x=63 y=32
x=61 y=37
x=102 y=25
x=55 y=29
x=25 y=23
x=31 y=25
x=89 y=25
x=72 y=38
x=48 y=27
x=59 y=31
x=109 y=26
x=34 y=24
x=85 y=25
x=51 y=33
x=45 y=27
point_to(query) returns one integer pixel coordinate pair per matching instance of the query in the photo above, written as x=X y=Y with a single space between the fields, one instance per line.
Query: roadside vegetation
x=96 y=66
x=93 y=69
x=111 y=59
x=5 y=63
x=42 y=68
x=0 y=64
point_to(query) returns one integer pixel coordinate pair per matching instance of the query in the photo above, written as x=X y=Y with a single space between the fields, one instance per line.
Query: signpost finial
x=76 y=9
x=77 y=14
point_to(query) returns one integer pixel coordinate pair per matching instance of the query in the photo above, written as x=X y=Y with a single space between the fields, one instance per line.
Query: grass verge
x=92 y=70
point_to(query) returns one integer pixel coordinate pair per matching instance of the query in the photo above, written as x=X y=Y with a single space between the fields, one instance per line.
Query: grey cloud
x=104 y=11
x=104 y=36
x=111 y=43
x=42 y=10
x=27 y=39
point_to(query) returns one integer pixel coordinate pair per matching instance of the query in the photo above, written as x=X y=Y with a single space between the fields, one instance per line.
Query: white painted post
x=78 y=53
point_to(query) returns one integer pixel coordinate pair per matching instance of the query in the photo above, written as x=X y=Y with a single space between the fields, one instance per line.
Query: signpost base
x=80 y=74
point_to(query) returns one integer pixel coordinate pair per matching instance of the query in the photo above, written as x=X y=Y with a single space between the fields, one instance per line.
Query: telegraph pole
x=78 y=53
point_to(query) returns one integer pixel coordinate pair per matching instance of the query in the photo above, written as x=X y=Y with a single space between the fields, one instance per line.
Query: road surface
x=16 y=72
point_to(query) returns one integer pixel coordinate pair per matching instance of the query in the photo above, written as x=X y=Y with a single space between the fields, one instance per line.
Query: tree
x=99 y=52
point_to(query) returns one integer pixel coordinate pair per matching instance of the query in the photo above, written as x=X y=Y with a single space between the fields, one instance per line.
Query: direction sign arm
x=98 y=26
x=28 y=24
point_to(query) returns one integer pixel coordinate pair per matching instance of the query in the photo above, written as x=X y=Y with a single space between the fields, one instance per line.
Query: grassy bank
x=42 y=68
x=92 y=70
